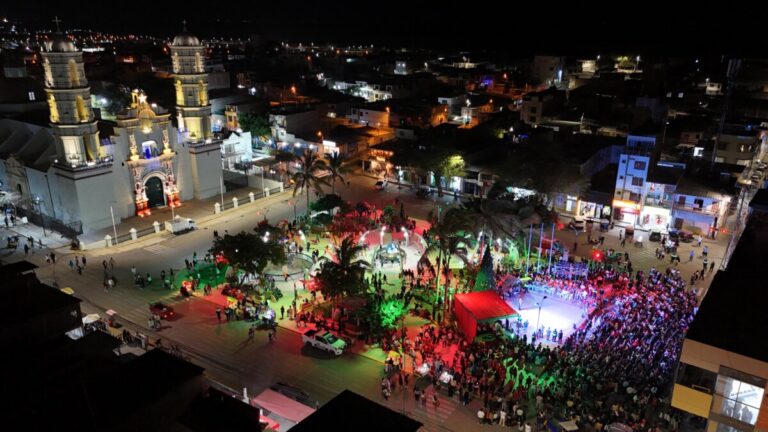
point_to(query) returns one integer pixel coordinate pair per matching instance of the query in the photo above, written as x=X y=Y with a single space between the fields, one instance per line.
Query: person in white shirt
x=502 y=418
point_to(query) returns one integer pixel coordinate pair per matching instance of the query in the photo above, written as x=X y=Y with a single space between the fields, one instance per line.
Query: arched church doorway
x=154 y=191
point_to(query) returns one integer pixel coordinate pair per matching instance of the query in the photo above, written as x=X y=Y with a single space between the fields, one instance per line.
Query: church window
x=179 y=93
x=71 y=148
x=149 y=149
x=31 y=96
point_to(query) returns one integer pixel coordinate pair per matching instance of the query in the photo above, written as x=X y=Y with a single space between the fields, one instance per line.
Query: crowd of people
x=614 y=368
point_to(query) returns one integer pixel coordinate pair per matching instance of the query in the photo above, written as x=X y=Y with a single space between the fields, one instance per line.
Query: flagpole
x=528 y=256
x=221 y=189
x=114 y=228
x=541 y=239
x=552 y=247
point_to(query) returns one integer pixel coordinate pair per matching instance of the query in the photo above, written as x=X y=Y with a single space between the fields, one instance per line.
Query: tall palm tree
x=283 y=158
x=496 y=217
x=449 y=234
x=336 y=169
x=306 y=178
x=343 y=274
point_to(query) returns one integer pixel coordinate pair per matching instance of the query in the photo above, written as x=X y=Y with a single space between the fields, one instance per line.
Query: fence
x=69 y=230
x=228 y=204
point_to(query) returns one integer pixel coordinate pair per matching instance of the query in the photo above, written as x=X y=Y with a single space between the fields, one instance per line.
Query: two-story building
x=721 y=383
x=540 y=105
x=656 y=212
x=699 y=207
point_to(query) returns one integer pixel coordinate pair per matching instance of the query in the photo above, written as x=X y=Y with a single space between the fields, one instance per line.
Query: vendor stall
x=281 y=408
x=479 y=307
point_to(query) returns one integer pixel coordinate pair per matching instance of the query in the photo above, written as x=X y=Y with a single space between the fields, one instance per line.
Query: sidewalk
x=193 y=209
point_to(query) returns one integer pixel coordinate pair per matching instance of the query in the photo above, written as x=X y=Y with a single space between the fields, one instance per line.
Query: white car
x=325 y=341
x=577 y=224
x=380 y=185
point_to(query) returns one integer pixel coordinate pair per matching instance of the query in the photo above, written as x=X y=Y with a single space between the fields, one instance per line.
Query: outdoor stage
x=556 y=313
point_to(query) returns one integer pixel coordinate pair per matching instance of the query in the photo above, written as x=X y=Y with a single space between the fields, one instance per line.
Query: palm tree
x=496 y=217
x=283 y=158
x=343 y=274
x=336 y=168
x=306 y=178
x=449 y=235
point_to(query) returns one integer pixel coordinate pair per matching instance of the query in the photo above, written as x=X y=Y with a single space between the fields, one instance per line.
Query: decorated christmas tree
x=485 y=279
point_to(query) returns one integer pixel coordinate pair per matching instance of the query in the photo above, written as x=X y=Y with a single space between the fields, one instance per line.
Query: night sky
x=695 y=28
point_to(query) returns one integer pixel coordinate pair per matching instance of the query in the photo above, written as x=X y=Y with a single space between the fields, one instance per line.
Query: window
x=31 y=95
x=635 y=197
x=621 y=177
x=637 y=181
x=640 y=165
x=737 y=399
x=696 y=378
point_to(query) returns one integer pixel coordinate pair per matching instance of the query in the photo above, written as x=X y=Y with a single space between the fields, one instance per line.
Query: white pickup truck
x=325 y=341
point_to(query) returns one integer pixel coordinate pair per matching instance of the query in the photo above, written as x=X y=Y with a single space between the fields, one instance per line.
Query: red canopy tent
x=479 y=307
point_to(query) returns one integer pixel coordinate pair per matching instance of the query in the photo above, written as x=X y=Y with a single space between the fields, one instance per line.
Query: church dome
x=186 y=39
x=60 y=43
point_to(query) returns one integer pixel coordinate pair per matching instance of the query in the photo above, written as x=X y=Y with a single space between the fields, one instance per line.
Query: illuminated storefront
x=626 y=211
x=655 y=218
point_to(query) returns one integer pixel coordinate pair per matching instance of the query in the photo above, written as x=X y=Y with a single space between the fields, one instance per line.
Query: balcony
x=82 y=165
x=711 y=210
x=76 y=169
x=658 y=202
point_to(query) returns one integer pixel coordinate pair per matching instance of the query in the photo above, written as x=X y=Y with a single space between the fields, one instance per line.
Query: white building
x=68 y=173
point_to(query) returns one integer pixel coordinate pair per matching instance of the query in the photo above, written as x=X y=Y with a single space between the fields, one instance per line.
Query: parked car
x=654 y=236
x=325 y=341
x=680 y=235
x=163 y=311
x=424 y=192
x=380 y=185
x=577 y=224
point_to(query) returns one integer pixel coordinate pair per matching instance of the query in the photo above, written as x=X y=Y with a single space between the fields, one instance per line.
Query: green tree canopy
x=342 y=274
x=258 y=126
x=251 y=252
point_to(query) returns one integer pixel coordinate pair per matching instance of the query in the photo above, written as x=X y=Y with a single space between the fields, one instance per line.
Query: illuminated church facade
x=84 y=171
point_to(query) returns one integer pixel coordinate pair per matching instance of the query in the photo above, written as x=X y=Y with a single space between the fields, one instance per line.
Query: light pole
x=538 y=316
x=36 y=200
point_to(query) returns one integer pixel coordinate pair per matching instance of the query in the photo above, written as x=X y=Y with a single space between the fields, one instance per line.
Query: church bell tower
x=194 y=114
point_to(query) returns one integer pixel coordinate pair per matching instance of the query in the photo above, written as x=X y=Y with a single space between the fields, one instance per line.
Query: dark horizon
x=653 y=27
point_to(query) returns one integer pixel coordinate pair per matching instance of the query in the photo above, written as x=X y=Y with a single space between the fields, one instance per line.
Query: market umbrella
x=91 y=318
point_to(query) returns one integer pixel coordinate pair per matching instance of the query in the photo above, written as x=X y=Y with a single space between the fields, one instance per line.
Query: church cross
x=184 y=24
x=57 y=21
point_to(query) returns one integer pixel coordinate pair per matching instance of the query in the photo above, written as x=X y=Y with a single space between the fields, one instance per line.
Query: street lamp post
x=36 y=200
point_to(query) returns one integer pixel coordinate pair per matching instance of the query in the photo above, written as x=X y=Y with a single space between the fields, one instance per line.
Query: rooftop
x=732 y=316
x=24 y=297
x=349 y=411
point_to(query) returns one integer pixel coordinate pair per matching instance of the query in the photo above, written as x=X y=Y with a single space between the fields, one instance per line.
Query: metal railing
x=695 y=209
x=69 y=230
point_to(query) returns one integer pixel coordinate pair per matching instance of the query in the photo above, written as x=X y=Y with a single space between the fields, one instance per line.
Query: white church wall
x=124 y=205
x=183 y=168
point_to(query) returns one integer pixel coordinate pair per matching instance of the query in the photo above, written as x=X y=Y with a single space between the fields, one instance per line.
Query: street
x=224 y=349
